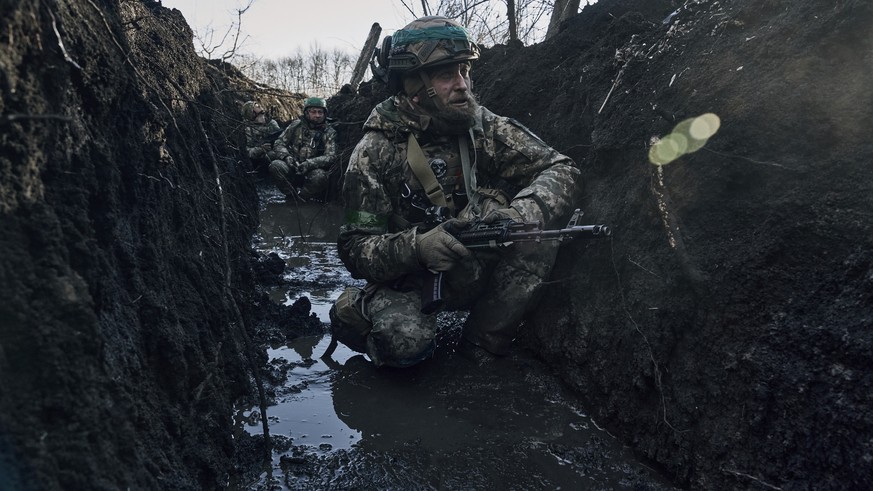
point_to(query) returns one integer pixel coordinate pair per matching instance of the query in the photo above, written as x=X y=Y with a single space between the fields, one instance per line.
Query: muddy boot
x=347 y=323
x=280 y=171
x=314 y=187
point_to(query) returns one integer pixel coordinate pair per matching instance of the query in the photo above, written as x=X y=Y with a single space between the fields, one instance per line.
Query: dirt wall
x=126 y=222
x=723 y=332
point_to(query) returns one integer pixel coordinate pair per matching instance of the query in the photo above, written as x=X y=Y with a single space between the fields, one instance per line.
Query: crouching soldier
x=260 y=134
x=305 y=153
x=432 y=145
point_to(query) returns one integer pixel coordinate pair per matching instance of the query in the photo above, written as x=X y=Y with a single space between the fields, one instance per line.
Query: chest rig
x=309 y=142
x=440 y=180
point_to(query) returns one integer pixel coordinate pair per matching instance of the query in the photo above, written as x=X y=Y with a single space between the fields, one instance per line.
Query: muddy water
x=445 y=424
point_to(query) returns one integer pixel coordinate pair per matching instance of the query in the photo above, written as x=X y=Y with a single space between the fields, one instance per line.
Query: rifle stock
x=502 y=234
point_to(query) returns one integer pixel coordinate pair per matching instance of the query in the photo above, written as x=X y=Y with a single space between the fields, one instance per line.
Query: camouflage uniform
x=258 y=140
x=259 y=136
x=384 y=204
x=305 y=154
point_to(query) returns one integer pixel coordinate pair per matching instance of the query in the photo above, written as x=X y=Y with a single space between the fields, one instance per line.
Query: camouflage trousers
x=497 y=288
x=311 y=184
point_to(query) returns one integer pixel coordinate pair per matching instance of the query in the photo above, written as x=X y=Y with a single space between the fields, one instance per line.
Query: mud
x=338 y=422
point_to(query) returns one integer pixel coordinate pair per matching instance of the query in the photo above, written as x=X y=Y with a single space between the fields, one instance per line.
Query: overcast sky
x=277 y=28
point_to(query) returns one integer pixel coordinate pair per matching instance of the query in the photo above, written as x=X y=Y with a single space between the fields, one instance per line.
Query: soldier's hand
x=438 y=250
x=304 y=167
x=501 y=214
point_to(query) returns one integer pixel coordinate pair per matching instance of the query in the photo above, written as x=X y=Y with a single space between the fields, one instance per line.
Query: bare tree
x=209 y=45
x=321 y=72
x=524 y=20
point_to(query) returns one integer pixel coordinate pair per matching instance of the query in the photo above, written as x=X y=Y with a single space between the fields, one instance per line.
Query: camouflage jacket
x=383 y=198
x=303 y=142
x=258 y=134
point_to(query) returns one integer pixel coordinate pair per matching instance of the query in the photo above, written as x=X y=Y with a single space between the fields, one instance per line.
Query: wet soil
x=449 y=423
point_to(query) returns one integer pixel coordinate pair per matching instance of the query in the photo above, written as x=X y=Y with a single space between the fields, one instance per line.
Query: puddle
x=305 y=410
x=444 y=424
x=304 y=236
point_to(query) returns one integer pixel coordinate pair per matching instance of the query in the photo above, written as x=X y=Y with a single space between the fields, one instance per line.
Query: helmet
x=248 y=110
x=425 y=42
x=314 y=102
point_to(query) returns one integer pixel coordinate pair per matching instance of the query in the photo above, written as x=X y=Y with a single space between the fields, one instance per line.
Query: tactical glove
x=520 y=210
x=438 y=250
x=501 y=214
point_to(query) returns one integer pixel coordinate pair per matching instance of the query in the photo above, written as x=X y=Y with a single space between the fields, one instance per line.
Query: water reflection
x=443 y=424
x=304 y=236
x=304 y=407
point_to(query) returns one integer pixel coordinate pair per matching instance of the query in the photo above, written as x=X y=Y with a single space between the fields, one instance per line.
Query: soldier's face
x=453 y=106
x=260 y=114
x=452 y=85
x=315 y=115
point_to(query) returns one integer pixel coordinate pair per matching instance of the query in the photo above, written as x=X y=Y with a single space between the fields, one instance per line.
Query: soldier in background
x=305 y=153
x=432 y=147
x=260 y=134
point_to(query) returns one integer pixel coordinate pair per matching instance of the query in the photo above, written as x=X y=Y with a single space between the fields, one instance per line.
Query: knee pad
x=347 y=323
x=401 y=334
x=400 y=348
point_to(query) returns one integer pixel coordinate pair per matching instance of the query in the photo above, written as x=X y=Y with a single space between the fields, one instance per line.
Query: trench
x=446 y=423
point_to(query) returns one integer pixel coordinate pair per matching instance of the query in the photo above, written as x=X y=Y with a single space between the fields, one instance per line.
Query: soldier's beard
x=448 y=119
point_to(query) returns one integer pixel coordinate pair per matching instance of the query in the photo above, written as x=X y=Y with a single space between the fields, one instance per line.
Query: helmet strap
x=431 y=92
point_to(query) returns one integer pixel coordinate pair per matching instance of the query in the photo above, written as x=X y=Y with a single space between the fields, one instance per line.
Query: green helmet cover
x=430 y=41
x=314 y=102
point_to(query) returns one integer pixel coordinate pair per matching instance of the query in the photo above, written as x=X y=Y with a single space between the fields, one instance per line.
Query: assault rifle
x=501 y=234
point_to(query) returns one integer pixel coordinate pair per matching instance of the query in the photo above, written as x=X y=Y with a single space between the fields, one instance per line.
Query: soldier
x=260 y=134
x=431 y=148
x=305 y=153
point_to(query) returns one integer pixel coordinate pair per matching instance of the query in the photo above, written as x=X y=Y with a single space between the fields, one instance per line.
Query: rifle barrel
x=590 y=231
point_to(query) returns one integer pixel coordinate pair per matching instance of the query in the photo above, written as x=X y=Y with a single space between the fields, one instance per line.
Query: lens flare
x=704 y=126
x=687 y=137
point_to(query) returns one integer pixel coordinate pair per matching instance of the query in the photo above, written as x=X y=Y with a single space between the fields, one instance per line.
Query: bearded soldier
x=305 y=153
x=431 y=149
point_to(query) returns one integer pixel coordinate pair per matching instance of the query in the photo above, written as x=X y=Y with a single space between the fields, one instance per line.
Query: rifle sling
x=424 y=174
x=470 y=184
